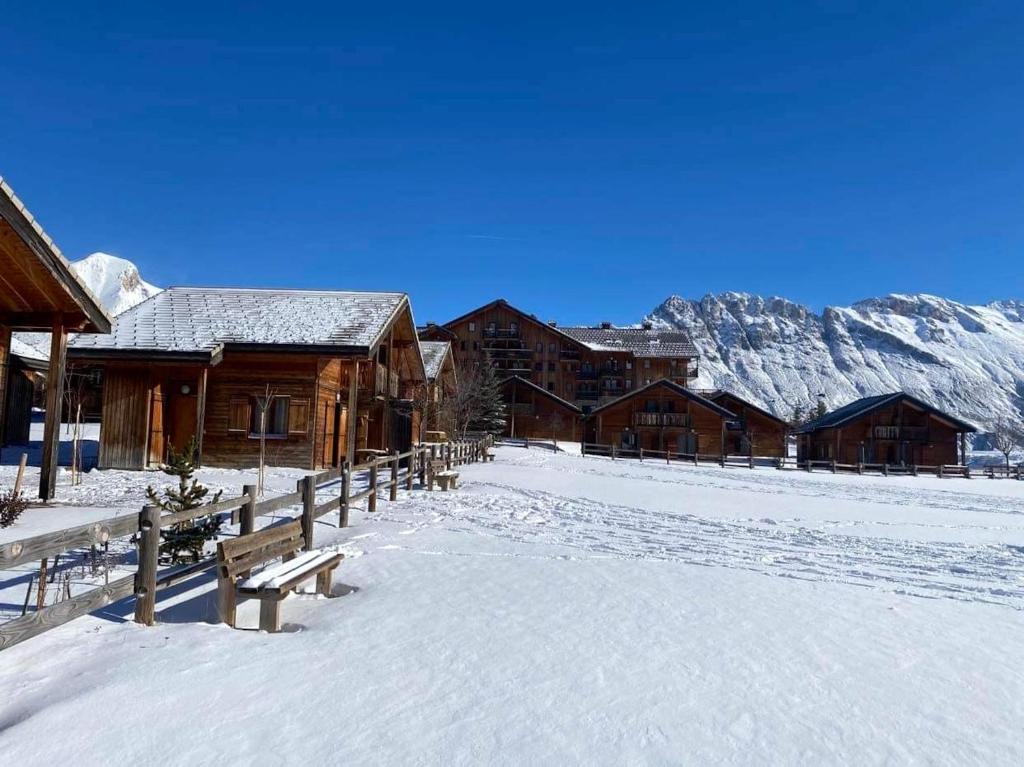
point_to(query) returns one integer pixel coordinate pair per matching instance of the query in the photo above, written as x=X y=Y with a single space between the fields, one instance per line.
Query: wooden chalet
x=533 y=411
x=662 y=415
x=341 y=369
x=893 y=429
x=439 y=364
x=755 y=431
x=586 y=366
x=39 y=292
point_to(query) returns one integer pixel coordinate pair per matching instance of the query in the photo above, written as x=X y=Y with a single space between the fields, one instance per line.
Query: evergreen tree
x=186 y=538
x=798 y=417
x=821 y=410
x=488 y=407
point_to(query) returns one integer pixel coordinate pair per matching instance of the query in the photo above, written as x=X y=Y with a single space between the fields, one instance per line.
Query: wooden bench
x=486 y=454
x=445 y=477
x=237 y=557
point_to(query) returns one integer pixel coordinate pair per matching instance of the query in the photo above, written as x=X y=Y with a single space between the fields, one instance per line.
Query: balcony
x=586 y=375
x=903 y=433
x=501 y=354
x=661 y=419
x=569 y=354
x=378 y=383
x=501 y=332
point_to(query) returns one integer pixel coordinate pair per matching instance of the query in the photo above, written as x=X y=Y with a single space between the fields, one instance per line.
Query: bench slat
x=300 y=568
x=260 y=556
x=243 y=544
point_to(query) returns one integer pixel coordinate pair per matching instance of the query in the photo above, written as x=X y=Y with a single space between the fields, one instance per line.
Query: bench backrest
x=437 y=465
x=242 y=554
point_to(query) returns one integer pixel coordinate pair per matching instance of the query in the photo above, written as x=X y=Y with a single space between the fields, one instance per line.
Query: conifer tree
x=488 y=411
x=186 y=538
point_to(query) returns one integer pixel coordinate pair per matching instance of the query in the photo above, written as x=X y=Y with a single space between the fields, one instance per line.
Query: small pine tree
x=798 y=416
x=186 y=538
x=488 y=411
x=821 y=409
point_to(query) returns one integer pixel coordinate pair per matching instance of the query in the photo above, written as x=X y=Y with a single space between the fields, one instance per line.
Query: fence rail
x=145 y=527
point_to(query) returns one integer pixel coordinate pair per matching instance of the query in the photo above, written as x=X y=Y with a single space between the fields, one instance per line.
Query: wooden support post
x=913 y=469
x=695 y=459
x=352 y=416
x=808 y=466
x=247 y=514
x=423 y=465
x=371 y=500
x=149 y=558
x=527 y=443
x=583 y=449
x=941 y=470
x=393 y=494
x=860 y=467
x=21 y=473
x=833 y=465
x=885 y=469
x=613 y=452
x=448 y=456
x=41 y=590
x=668 y=457
x=346 y=491
x=307 y=486
x=200 y=416
x=641 y=455
x=54 y=399
x=410 y=468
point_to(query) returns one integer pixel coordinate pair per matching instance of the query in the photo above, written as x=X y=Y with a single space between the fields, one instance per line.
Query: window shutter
x=238 y=415
x=298 y=416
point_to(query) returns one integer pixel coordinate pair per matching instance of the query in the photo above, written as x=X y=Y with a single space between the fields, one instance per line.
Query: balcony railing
x=569 y=354
x=501 y=332
x=380 y=383
x=905 y=433
x=661 y=419
x=510 y=354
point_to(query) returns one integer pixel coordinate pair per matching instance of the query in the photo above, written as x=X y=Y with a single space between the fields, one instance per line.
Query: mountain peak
x=115 y=281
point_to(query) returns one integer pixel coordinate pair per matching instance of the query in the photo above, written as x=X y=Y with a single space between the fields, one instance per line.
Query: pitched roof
x=434 y=353
x=541 y=390
x=716 y=394
x=865 y=405
x=675 y=389
x=19 y=348
x=185 y=320
x=642 y=342
x=24 y=224
x=506 y=305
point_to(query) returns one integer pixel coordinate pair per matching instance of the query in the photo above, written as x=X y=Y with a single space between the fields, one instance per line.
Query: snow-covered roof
x=203 y=320
x=865 y=405
x=433 y=356
x=642 y=342
x=26 y=351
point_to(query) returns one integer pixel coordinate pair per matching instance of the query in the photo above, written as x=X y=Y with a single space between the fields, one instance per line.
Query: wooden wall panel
x=609 y=425
x=123 y=434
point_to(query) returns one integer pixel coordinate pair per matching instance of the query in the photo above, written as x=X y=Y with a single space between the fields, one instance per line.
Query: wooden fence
x=752 y=462
x=386 y=473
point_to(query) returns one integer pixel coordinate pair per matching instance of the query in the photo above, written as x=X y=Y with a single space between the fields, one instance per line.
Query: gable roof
x=541 y=390
x=675 y=389
x=866 y=405
x=716 y=394
x=202 y=321
x=641 y=342
x=501 y=302
x=434 y=354
x=57 y=268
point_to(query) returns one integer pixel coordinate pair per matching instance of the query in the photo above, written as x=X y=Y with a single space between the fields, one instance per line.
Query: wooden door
x=184 y=418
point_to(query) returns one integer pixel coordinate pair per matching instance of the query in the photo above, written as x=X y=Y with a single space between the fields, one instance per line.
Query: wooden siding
x=768 y=435
x=529 y=413
x=21 y=389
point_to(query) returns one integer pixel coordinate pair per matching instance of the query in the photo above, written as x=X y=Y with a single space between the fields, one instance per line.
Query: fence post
x=346 y=491
x=149 y=557
x=393 y=494
x=809 y=467
x=307 y=486
x=447 y=456
x=860 y=467
x=247 y=514
x=423 y=465
x=941 y=470
x=721 y=460
x=913 y=469
x=613 y=452
x=751 y=460
x=641 y=455
x=410 y=468
x=583 y=449
x=371 y=499
x=696 y=459
x=833 y=465
x=527 y=439
x=668 y=457
x=885 y=469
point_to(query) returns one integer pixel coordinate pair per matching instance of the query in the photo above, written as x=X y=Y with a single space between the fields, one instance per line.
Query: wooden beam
x=5 y=372
x=54 y=399
x=200 y=415
x=352 y=419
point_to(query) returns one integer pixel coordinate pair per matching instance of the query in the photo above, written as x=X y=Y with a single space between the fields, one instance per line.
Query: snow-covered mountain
x=968 y=360
x=116 y=282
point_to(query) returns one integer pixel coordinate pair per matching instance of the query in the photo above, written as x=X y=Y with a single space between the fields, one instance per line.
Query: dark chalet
x=534 y=412
x=342 y=370
x=755 y=431
x=893 y=429
x=662 y=416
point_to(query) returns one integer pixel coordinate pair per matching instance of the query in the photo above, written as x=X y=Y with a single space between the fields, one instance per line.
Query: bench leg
x=270 y=615
x=226 y=601
x=323 y=582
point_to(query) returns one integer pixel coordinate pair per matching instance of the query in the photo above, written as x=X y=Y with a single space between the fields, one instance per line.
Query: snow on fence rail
x=146 y=525
x=752 y=461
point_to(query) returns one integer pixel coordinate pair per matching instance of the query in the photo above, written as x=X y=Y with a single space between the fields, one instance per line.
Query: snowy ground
x=566 y=610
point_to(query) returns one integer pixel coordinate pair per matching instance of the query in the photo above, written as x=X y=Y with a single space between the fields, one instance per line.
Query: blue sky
x=582 y=160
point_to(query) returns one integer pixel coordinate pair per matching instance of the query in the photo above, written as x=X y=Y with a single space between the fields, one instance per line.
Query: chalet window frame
x=254 y=413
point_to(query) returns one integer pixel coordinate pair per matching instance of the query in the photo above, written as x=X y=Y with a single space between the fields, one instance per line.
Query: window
x=551 y=385
x=552 y=348
x=540 y=346
x=629 y=383
x=629 y=365
x=647 y=364
x=472 y=327
x=277 y=417
x=552 y=367
x=513 y=328
x=492 y=328
x=538 y=366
